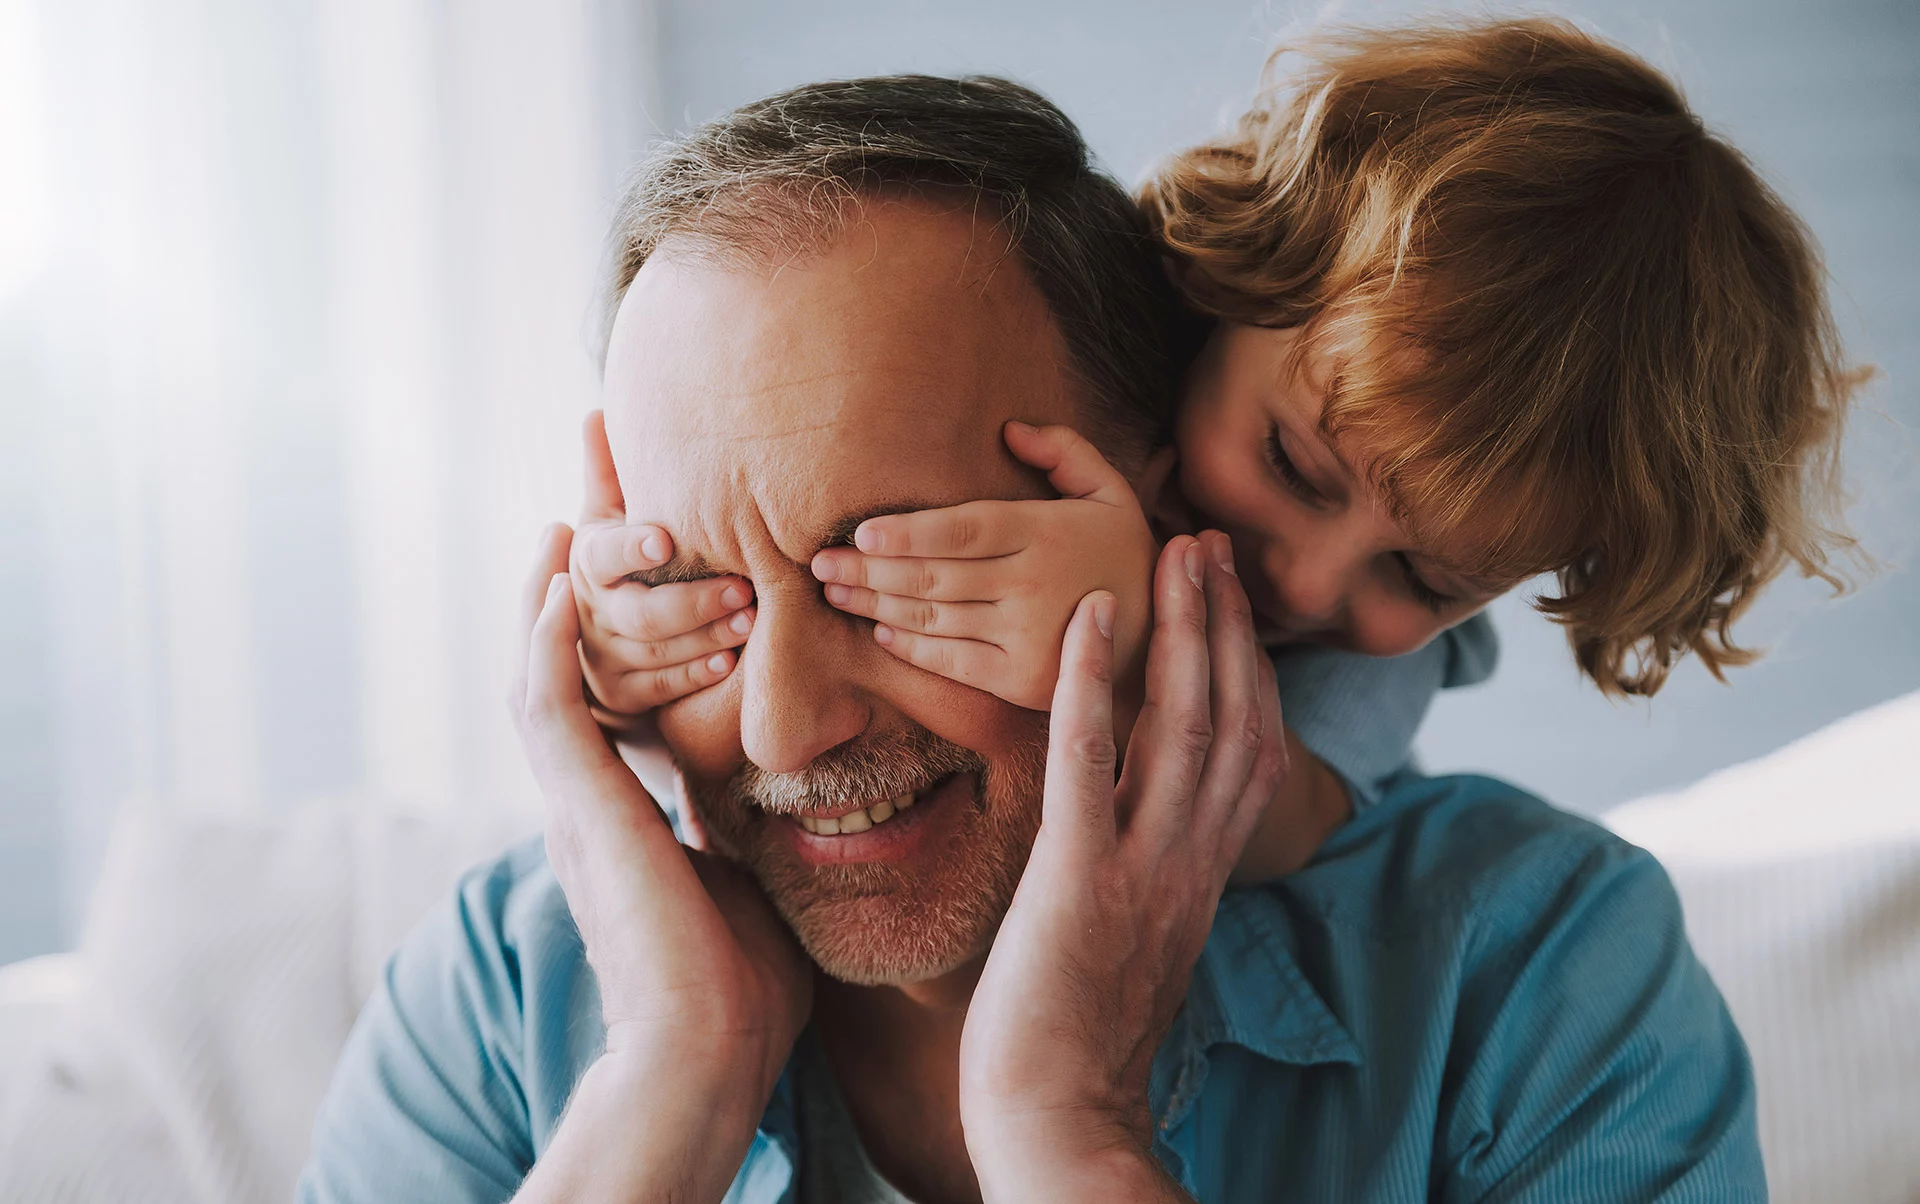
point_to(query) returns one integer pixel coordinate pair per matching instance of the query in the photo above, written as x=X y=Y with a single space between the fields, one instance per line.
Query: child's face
x=1321 y=557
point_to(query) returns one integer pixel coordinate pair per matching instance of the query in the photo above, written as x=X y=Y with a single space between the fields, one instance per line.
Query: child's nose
x=1311 y=586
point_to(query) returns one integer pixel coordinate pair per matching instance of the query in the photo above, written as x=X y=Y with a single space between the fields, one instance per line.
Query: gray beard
x=879 y=924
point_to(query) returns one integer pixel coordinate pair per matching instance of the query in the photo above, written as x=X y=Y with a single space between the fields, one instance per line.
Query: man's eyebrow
x=691 y=566
x=683 y=567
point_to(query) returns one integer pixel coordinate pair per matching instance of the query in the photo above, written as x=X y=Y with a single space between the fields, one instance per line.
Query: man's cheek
x=970 y=718
x=702 y=731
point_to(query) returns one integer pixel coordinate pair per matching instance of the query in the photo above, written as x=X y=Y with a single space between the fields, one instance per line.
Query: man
x=831 y=303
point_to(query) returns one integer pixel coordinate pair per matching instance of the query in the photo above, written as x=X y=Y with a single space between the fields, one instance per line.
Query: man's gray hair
x=777 y=177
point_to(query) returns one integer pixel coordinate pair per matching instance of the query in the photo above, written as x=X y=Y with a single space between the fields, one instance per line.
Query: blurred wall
x=1825 y=97
x=297 y=306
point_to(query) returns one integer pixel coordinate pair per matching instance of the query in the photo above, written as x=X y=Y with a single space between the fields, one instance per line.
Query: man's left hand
x=1092 y=962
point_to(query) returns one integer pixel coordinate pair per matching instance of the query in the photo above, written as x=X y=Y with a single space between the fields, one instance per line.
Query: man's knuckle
x=1097 y=671
x=1246 y=727
x=1092 y=748
x=1192 y=620
x=542 y=714
x=1193 y=735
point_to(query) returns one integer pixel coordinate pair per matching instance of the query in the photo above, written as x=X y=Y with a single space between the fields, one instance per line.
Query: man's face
x=759 y=412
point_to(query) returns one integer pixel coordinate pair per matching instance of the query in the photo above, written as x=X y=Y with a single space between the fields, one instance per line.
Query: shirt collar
x=1248 y=989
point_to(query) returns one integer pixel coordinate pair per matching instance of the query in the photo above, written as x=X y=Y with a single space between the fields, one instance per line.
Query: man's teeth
x=857 y=821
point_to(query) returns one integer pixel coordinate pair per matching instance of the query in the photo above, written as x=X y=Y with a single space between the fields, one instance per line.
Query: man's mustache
x=876 y=767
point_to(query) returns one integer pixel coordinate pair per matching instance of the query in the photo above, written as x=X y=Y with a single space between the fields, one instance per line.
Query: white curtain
x=298 y=303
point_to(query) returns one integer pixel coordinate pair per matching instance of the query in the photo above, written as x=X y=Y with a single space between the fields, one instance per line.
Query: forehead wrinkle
x=718 y=420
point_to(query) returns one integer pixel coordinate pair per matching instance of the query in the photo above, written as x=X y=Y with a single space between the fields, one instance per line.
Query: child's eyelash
x=1284 y=465
x=1423 y=593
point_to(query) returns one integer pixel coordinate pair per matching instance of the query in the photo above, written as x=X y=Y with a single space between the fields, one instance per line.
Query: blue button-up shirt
x=1468 y=995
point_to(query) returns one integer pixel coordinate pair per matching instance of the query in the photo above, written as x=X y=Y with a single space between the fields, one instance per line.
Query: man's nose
x=798 y=697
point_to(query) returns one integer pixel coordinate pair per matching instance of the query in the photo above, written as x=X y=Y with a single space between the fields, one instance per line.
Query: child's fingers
x=914 y=576
x=634 y=692
x=956 y=620
x=660 y=612
x=606 y=553
x=970 y=530
x=628 y=654
x=603 y=497
x=1073 y=465
x=969 y=662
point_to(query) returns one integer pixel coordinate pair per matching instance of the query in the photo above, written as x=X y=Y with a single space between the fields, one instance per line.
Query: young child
x=1488 y=303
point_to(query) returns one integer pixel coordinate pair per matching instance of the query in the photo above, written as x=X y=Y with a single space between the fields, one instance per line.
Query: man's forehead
x=872 y=377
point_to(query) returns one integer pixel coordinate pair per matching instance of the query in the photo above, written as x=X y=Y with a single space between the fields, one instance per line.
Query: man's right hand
x=702 y=988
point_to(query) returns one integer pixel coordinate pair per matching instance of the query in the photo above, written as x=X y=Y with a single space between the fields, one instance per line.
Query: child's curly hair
x=1550 y=291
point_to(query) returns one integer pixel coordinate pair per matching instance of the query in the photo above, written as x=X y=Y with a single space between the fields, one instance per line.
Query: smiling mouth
x=851 y=821
x=860 y=819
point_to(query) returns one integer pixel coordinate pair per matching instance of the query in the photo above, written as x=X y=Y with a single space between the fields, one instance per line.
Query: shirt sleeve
x=1359 y=713
x=1596 y=1060
x=426 y=1101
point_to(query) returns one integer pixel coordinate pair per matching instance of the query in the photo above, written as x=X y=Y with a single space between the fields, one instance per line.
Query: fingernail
x=1223 y=553
x=867 y=538
x=1191 y=559
x=838 y=594
x=824 y=569
x=717 y=663
x=653 y=548
x=1025 y=428
x=883 y=633
x=1103 y=615
x=735 y=596
x=741 y=623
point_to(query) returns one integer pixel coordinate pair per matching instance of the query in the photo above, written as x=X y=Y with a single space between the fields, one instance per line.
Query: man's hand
x=702 y=988
x=644 y=646
x=981 y=592
x=1092 y=962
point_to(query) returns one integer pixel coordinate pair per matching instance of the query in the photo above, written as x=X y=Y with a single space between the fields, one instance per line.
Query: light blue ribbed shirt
x=1359 y=714
x=1466 y=996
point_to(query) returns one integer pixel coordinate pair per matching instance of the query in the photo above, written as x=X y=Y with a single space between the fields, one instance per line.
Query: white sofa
x=180 y=1054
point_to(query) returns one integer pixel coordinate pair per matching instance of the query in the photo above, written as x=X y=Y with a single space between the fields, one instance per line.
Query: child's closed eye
x=1289 y=473
x=1423 y=593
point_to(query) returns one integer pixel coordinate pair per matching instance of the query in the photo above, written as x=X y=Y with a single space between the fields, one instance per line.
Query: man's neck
x=895 y=1052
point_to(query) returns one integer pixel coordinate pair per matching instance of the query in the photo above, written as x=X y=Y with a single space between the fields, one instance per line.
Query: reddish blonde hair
x=1551 y=296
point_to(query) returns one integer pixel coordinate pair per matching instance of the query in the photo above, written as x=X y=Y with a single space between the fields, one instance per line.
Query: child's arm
x=642 y=646
x=982 y=593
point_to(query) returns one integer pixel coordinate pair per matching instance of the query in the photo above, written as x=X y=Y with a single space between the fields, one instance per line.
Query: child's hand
x=982 y=592
x=643 y=646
